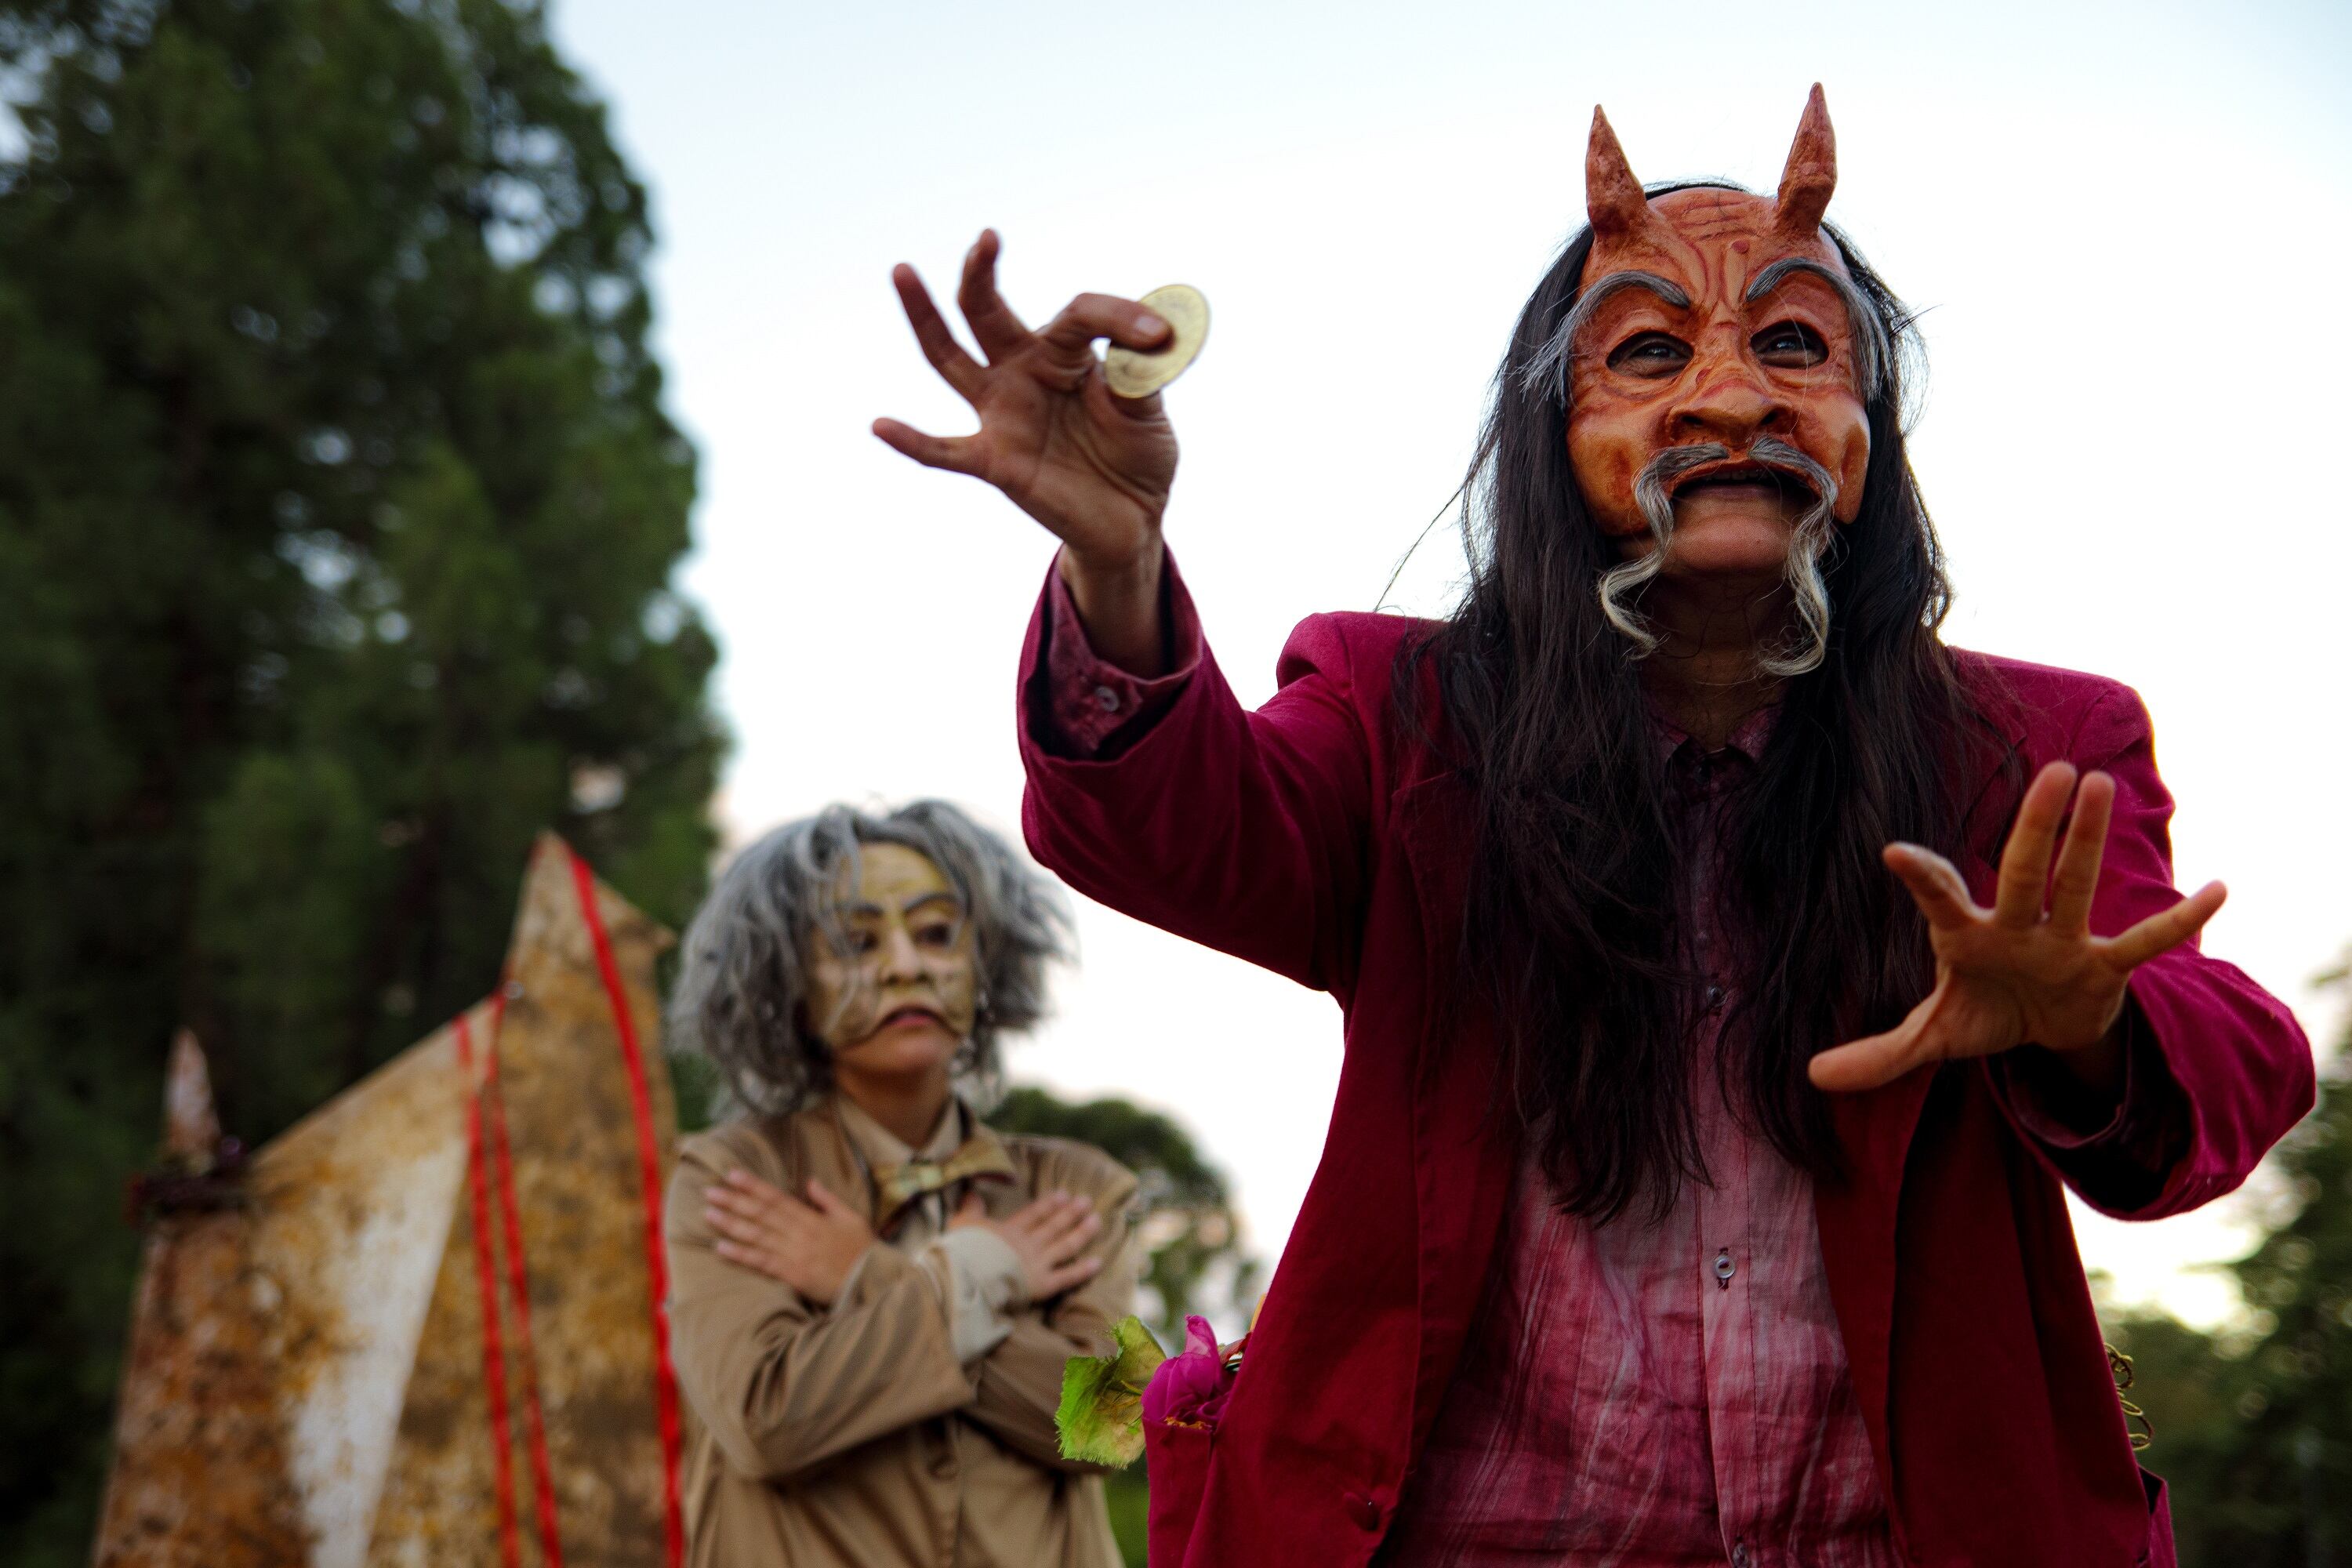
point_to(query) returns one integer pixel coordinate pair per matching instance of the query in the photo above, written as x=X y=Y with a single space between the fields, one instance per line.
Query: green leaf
x=1101 y=1413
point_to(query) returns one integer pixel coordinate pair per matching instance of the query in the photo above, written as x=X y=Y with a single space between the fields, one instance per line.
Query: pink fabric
x=1618 y=1404
x=1324 y=840
x=1192 y=1386
x=1088 y=704
x=1654 y=1393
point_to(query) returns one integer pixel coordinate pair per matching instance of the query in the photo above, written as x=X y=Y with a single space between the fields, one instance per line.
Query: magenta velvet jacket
x=1312 y=837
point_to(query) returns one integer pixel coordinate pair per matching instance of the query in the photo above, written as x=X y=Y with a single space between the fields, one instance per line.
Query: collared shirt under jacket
x=1316 y=837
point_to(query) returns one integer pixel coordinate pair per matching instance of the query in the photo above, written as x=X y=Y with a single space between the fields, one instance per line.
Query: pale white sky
x=2129 y=222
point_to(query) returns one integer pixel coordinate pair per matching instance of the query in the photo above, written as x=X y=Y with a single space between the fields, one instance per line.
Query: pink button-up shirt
x=1659 y=1390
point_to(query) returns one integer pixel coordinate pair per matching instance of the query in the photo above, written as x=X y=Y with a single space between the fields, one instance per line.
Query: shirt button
x=1713 y=997
x=1740 y=1556
x=1364 y=1511
x=1724 y=1270
x=1106 y=700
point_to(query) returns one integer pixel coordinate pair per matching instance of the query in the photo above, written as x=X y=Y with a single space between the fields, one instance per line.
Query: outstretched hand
x=1095 y=468
x=2018 y=974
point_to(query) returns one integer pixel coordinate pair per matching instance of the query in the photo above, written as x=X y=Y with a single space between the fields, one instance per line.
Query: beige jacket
x=854 y=1436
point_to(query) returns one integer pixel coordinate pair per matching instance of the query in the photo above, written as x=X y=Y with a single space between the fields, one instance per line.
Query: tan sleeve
x=784 y=1386
x=1020 y=1381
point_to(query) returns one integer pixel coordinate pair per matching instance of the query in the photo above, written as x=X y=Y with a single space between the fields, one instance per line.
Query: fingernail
x=1146 y=323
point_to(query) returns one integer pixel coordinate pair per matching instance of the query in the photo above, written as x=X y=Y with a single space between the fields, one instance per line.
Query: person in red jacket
x=1693 y=1186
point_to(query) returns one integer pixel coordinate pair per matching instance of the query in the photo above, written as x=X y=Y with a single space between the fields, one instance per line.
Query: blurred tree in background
x=2254 y=1426
x=336 y=513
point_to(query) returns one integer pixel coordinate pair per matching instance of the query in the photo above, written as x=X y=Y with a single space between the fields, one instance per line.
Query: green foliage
x=2253 y=1431
x=1100 y=1417
x=1184 y=1215
x=336 y=509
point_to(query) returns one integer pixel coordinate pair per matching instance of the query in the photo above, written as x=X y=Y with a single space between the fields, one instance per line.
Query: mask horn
x=1812 y=172
x=1614 y=202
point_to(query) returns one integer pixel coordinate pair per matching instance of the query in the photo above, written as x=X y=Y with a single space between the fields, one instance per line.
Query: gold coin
x=1134 y=375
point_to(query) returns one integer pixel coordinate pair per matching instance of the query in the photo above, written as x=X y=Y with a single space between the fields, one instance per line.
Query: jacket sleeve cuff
x=2118 y=1152
x=1086 y=709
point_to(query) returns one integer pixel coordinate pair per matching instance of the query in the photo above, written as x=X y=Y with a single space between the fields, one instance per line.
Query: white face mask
x=896 y=992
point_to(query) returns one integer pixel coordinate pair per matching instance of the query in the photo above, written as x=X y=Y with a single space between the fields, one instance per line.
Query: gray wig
x=742 y=982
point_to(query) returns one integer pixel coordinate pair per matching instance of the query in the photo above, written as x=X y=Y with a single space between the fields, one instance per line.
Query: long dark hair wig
x=1569 y=927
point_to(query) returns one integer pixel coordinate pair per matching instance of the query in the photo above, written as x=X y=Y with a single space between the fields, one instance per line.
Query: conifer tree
x=338 y=509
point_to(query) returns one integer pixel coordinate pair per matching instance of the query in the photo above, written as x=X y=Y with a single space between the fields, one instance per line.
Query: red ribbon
x=649 y=1170
x=519 y=1289
x=485 y=1278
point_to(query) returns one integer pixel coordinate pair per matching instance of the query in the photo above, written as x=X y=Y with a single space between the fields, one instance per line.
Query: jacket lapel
x=1858 y=1215
x=1465 y=1143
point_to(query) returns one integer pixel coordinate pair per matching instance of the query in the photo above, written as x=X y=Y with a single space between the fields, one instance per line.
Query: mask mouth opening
x=1743 y=471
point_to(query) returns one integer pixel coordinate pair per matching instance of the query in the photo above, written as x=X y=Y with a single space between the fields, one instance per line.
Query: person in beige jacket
x=873 y=1294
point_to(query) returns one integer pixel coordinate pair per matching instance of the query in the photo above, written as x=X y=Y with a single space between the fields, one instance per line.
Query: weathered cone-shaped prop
x=192 y=1129
x=201 y=1464
x=429 y=1332
x=1615 y=206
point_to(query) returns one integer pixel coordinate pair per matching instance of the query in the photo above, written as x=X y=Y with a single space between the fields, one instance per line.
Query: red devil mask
x=1718 y=351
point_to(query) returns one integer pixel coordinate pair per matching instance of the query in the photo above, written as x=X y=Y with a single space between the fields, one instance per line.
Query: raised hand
x=1093 y=467
x=2016 y=973
x=810 y=1245
x=1050 y=1235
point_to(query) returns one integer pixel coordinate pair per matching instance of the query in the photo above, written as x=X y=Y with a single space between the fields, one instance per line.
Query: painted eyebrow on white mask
x=954 y=904
x=909 y=907
x=1870 y=346
x=1546 y=369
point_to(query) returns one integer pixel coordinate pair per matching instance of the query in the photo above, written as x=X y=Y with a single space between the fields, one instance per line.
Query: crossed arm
x=787 y=1382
